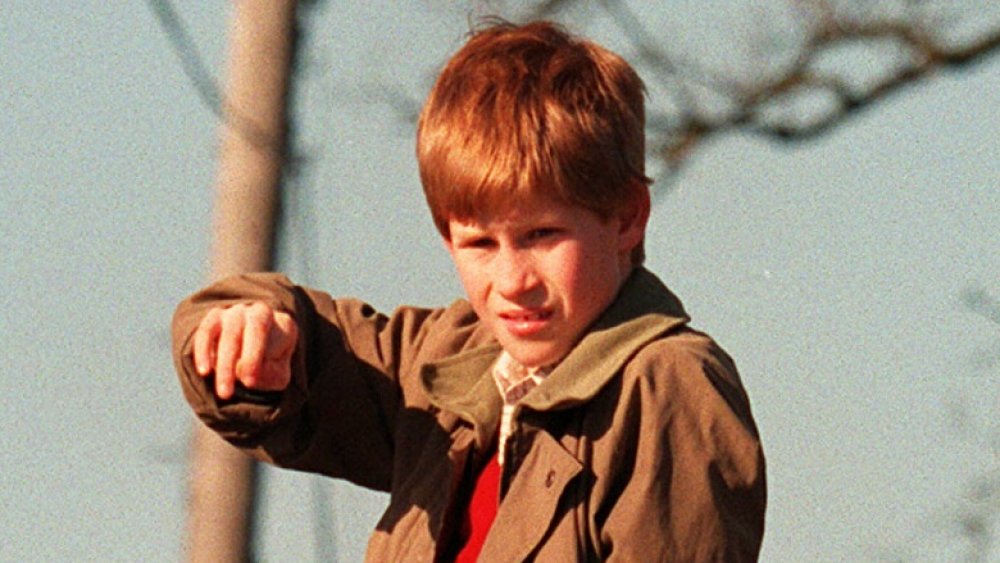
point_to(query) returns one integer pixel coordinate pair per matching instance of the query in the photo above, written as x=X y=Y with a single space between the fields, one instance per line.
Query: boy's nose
x=515 y=274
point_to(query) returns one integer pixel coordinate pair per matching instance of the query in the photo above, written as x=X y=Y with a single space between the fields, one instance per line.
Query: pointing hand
x=247 y=343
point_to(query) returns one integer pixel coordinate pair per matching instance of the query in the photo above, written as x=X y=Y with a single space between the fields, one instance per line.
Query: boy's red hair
x=530 y=109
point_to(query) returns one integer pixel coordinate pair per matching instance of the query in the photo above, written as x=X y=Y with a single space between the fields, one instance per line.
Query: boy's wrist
x=243 y=394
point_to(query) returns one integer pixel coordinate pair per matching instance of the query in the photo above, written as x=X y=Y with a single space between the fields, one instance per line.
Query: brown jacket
x=640 y=446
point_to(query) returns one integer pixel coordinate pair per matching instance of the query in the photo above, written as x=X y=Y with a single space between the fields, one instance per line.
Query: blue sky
x=832 y=271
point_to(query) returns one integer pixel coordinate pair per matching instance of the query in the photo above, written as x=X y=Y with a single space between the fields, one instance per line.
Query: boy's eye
x=478 y=243
x=537 y=234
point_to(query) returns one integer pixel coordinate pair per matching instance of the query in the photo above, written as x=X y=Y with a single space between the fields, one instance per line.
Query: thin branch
x=677 y=144
x=651 y=52
x=191 y=60
x=548 y=9
x=983 y=304
x=205 y=84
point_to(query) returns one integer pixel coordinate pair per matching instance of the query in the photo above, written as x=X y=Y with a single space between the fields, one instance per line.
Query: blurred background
x=827 y=206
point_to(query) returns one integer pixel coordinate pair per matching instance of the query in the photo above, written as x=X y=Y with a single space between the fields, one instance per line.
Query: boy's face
x=539 y=275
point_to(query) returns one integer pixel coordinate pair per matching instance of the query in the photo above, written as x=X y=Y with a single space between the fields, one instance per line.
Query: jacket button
x=550 y=478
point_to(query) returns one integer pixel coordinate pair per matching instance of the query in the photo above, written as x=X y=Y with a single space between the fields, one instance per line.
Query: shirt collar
x=514 y=380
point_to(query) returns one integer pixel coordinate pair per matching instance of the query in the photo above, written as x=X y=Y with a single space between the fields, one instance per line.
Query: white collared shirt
x=514 y=381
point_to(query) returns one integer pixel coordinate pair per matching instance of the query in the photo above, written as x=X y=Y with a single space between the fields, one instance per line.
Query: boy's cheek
x=473 y=290
x=470 y=273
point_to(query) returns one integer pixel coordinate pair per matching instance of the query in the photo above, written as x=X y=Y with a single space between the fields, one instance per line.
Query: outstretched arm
x=299 y=379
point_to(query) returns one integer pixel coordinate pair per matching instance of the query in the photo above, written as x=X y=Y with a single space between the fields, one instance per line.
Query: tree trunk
x=251 y=156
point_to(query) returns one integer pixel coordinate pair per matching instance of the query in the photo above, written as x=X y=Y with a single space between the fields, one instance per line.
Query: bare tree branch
x=982 y=303
x=766 y=104
x=187 y=51
x=206 y=85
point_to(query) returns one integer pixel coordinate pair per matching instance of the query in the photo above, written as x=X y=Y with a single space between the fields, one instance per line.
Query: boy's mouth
x=525 y=323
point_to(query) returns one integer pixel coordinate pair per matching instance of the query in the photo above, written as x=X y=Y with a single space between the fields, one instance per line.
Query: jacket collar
x=643 y=310
x=463 y=385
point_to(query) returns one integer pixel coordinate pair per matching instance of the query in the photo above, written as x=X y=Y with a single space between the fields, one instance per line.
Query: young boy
x=565 y=411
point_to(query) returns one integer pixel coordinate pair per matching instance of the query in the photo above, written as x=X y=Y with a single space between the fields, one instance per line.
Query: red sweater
x=481 y=511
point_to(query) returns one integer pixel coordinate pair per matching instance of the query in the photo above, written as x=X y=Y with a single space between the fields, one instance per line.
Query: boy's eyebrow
x=467 y=231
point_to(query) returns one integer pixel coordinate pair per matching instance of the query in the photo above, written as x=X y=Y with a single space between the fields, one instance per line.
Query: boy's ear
x=634 y=216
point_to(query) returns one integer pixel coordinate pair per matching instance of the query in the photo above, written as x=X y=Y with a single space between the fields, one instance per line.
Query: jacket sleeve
x=338 y=413
x=696 y=489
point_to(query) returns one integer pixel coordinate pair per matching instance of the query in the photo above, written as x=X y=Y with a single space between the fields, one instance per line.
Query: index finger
x=206 y=339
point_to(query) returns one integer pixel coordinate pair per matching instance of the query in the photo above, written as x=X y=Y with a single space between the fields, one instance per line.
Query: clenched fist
x=249 y=343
